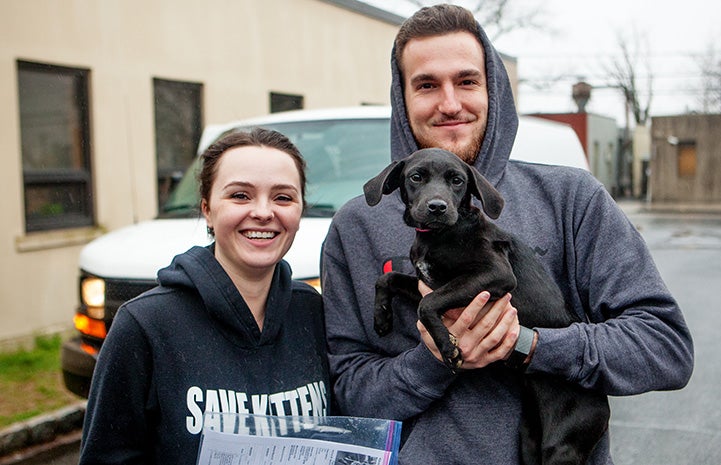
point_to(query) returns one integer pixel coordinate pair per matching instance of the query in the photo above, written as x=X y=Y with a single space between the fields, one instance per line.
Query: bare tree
x=498 y=17
x=710 y=67
x=623 y=75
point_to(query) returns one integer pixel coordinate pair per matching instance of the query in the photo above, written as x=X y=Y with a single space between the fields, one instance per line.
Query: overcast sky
x=580 y=41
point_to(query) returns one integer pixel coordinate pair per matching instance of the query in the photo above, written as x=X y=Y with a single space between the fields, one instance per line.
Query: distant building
x=600 y=140
x=685 y=159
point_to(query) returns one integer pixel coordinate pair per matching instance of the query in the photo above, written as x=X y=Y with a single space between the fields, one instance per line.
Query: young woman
x=226 y=329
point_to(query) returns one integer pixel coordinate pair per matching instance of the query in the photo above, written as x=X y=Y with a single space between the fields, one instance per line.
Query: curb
x=42 y=429
x=643 y=207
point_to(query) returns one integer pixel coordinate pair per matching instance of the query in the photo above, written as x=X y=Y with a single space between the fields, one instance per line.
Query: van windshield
x=341 y=155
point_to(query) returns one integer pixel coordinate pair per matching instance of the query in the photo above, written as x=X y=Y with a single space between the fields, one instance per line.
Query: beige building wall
x=239 y=50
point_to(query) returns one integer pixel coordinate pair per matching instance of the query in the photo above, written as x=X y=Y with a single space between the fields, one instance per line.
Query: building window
x=55 y=144
x=687 y=159
x=285 y=102
x=178 y=126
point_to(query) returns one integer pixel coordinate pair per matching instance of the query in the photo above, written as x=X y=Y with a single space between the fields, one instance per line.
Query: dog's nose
x=437 y=207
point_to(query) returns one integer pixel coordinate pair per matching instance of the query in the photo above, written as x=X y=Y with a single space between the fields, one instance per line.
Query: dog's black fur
x=459 y=253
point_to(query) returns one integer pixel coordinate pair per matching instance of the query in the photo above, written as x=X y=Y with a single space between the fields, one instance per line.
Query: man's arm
x=635 y=339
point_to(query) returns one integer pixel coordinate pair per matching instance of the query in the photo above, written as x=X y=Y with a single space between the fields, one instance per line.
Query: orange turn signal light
x=89 y=326
x=88 y=349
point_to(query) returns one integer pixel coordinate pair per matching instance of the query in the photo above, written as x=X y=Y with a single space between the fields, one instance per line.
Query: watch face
x=525 y=341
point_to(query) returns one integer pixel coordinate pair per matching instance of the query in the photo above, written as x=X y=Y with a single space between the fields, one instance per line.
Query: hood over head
x=502 y=116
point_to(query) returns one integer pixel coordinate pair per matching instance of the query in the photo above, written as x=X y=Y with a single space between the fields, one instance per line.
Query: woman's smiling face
x=254 y=207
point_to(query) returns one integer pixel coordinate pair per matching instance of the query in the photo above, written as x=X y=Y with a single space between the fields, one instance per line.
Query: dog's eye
x=457 y=181
x=415 y=177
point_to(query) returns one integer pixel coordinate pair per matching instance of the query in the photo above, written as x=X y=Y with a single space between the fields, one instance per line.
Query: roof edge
x=371 y=11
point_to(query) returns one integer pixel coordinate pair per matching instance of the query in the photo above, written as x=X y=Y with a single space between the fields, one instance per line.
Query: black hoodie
x=192 y=345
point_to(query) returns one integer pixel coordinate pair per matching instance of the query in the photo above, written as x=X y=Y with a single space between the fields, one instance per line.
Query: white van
x=343 y=148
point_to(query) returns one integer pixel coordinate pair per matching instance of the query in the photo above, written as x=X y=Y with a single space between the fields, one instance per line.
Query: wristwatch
x=523 y=347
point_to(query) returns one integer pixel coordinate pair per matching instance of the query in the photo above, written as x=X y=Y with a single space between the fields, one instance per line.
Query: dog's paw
x=382 y=320
x=455 y=361
x=452 y=354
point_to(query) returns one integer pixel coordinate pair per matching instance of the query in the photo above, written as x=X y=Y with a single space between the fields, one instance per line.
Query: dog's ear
x=385 y=182
x=490 y=198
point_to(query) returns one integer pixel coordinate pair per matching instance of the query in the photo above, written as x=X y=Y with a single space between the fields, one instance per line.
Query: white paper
x=219 y=448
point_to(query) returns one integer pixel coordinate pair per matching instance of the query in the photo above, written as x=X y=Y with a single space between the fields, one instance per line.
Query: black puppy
x=458 y=254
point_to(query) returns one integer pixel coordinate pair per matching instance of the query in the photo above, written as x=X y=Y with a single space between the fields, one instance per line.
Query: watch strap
x=523 y=347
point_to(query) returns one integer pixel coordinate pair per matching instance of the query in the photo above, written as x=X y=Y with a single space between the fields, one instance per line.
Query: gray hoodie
x=632 y=339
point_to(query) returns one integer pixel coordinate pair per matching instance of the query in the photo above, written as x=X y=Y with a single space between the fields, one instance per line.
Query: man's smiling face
x=445 y=92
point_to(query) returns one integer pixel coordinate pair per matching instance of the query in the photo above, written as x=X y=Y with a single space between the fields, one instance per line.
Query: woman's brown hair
x=257 y=137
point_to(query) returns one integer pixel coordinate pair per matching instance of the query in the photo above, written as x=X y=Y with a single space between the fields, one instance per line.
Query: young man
x=450 y=90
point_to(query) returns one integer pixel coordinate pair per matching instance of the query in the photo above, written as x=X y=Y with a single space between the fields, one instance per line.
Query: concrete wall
x=668 y=133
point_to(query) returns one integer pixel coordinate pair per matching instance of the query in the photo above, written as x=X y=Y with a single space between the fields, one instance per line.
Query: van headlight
x=92 y=297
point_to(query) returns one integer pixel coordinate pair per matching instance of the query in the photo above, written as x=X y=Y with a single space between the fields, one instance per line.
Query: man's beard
x=466 y=152
x=469 y=152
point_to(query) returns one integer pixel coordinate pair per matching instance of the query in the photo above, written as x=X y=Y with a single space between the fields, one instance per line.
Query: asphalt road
x=659 y=428
x=680 y=427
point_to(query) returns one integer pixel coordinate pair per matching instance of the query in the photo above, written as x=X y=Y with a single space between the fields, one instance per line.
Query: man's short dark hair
x=434 y=21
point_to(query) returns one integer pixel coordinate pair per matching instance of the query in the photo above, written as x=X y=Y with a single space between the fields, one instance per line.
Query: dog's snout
x=437 y=207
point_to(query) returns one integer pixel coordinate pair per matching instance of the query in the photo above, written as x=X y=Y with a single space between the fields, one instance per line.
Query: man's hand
x=485 y=332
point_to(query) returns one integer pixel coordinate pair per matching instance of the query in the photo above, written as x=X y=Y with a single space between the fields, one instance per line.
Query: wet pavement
x=680 y=427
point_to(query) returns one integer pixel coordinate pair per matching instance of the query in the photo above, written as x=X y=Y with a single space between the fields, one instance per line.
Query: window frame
x=279 y=101
x=79 y=178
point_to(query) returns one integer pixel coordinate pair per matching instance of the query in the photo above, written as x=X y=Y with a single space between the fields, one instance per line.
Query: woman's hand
x=485 y=332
